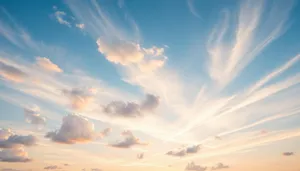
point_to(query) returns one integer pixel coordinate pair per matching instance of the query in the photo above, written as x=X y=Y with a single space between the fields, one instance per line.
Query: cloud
x=18 y=140
x=14 y=155
x=11 y=73
x=96 y=169
x=132 y=109
x=129 y=141
x=47 y=65
x=52 y=167
x=191 y=6
x=5 y=133
x=193 y=166
x=120 y=51
x=9 y=169
x=60 y=17
x=185 y=151
x=128 y=53
x=104 y=133
x=288 y=153
x=80 y=98
x=74 y=129
x=32 y=116
x=81 y=26
x=140 y=156
x=220 y=166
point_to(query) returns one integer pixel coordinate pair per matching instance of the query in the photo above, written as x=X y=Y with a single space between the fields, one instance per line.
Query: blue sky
x=130 y=85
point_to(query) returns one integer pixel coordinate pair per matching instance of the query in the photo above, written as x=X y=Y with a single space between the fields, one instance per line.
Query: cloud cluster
x=129 y=141
x=81 y=26
x=32 y=116
x=220 y=166
x=14 y=155
x=185 y=151
x=12 y=146
x=193 y=166
x=11 y=73
x=47 y=65
x=80 y=98
x=74 y=129
x=127 y=53
x=132 y=109
x=60 y=17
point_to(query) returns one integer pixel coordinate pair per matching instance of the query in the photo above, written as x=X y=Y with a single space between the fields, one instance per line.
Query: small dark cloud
x=288 y=153
x=140 y=156
x=52 y=167
x=194 y=167
x=185 y=151
x=132 y=109
x=96 y=169
x=220 y=166
x=129 y=141
x=9 y=169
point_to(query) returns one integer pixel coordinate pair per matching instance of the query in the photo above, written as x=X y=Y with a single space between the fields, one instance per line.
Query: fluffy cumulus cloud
x=132 y=109
x=11 y=73
x=14 y=155
x=184 y=151
x=193 y=166
x=47 y=65
x=32 y=116
x=75 y=129
x=288 y=153
x=220 y=166
x=126 y=53
x=51 y=167
x=129 y=141
x=80 y=98
x=9 y=140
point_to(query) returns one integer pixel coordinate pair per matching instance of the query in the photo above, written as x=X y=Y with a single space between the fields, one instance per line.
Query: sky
x=173 y=85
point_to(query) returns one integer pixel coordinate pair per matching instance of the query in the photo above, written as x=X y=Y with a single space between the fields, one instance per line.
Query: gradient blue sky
x=153 y=85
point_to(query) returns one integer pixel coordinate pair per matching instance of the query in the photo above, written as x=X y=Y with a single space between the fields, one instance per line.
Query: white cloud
x=47 y=65
x=60 y=17
x=81 y=26
x=193 y=10
x=76 y=129
x=14 y=155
